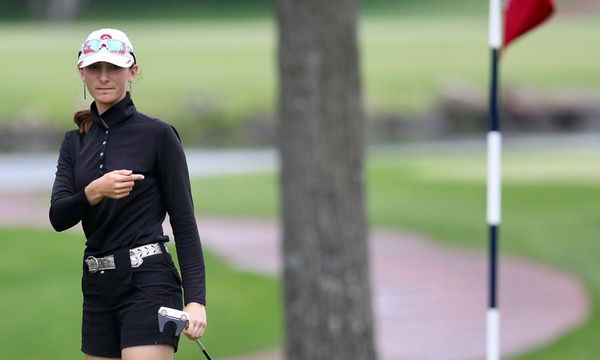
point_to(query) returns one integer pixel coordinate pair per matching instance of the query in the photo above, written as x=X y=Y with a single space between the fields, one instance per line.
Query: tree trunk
x=327 y=291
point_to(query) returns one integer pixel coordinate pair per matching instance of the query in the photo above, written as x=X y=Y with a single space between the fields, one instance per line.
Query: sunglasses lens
x=115 y=46
x=91 y=46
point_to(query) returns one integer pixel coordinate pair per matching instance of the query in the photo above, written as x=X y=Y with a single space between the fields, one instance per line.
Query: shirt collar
x=116 y=114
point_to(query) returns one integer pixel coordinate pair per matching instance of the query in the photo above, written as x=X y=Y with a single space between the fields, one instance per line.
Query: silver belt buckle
x=92 y=264
x=138 y=254
x=136 y=260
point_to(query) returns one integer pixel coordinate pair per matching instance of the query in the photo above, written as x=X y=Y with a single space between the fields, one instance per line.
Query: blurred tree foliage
x=157 y=10
x=64 y=10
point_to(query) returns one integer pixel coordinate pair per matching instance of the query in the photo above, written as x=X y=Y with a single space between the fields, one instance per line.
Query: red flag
x=520 y=16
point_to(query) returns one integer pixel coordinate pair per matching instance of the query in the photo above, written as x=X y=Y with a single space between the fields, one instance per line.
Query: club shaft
x=203 y=349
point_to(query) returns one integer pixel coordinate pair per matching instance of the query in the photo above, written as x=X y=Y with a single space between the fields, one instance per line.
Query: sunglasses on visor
x=111 y=45
x=95 y=45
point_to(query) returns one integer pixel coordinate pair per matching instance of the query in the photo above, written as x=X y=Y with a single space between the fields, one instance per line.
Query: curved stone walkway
x=429 y=299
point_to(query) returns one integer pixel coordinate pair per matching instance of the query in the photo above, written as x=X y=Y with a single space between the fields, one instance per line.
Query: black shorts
x=120 y=306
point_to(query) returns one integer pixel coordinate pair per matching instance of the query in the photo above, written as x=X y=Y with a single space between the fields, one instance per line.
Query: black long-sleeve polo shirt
x=145 y=145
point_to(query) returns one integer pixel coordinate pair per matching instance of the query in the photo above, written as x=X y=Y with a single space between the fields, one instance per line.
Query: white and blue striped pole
x=494 y=152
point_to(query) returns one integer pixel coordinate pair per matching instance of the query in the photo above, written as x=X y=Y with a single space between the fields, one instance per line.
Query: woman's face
x=106 y=82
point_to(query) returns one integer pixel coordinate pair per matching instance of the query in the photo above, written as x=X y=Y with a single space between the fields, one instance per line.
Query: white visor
x=121 y=59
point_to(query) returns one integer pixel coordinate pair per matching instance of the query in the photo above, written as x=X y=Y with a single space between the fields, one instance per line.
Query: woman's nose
x=104 y=75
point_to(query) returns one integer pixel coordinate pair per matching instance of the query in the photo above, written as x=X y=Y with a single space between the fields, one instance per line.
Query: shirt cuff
x=81 y=202
x=199 y=301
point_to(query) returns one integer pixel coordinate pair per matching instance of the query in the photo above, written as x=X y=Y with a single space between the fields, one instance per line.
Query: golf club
x=180 y=318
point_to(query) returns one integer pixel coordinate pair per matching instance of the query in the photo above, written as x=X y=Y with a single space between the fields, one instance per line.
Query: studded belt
x=136 y=255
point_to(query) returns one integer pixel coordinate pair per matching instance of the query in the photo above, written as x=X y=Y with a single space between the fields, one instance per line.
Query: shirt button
x=104 y=142
x=101 y=165
x=106 y=132
x=101 y=154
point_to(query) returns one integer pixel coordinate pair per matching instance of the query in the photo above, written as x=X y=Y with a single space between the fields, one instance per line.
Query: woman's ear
x=133 y=71
x=81 y=74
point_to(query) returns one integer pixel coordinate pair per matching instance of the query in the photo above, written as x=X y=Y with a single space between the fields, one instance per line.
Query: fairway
x=546 y=216
x=40 y=272
x=224 y=71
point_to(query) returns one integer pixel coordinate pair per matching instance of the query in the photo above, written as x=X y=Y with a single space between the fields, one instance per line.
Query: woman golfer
x=119 y=173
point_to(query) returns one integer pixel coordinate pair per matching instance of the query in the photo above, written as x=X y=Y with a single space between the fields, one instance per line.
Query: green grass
x=226 y=69
x=550 y=212
x=40 y=273
x=547 y=216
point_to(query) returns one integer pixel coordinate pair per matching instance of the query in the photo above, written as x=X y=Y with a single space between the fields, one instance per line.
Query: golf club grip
x=203 y=349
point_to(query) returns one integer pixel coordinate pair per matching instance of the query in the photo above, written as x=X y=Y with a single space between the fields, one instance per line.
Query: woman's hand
x=197 y=323
x=115 y=185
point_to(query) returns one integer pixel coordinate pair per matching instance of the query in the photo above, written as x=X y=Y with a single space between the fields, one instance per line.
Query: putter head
x=180 y=318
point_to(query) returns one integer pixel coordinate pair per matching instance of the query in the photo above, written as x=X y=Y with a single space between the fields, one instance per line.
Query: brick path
x=429 y=299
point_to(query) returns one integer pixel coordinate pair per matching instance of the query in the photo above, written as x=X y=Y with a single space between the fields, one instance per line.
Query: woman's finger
x=193 y=335
x=126 y=178
x=189 y=333
x=124 y=184
x=193 y=331
x=131 y=177
x=120 y=196
x=122 y=190
x=202 y=328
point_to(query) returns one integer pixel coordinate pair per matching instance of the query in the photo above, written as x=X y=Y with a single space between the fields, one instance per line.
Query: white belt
x=136 y=255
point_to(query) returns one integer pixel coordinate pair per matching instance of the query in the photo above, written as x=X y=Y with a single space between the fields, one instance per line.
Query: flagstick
x=494 y=142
